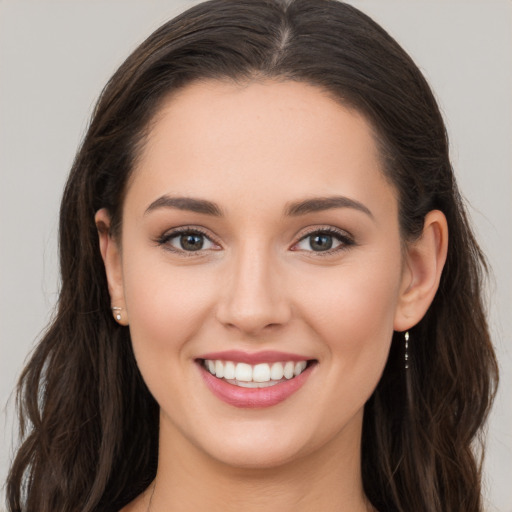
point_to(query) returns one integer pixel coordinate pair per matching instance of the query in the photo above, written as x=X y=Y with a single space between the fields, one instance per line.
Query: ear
x=424 y=262
x=111 y=254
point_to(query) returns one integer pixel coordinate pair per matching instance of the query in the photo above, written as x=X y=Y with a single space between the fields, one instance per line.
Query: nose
x=254 y=298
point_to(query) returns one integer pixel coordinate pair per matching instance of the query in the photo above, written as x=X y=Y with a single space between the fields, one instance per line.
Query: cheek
x=166 y=306
x=353 y=316
x=353 y=312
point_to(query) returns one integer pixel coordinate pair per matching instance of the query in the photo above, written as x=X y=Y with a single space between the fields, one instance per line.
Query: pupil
x=321 y=242
x=191 y=242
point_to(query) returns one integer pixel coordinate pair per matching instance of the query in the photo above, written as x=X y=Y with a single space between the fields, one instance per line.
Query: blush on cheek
x=163 y=318
x=355 y=315
x=167 y=298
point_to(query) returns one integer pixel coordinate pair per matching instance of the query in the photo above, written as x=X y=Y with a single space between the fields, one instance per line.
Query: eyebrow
x=318 y=204
x=294 y=209
x=186 y=203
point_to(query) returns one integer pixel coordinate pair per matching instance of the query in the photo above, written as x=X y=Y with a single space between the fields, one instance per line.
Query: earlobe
x=424 y=263
x=111 y=255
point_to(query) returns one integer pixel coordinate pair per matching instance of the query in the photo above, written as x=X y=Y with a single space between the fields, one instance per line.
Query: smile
x=257 y=380
x=260 y=375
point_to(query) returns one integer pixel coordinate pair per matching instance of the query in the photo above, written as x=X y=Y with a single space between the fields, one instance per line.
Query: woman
x=270 y=291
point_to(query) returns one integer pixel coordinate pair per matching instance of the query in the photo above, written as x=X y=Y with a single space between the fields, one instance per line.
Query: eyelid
x=174 y=232
x=346 y=239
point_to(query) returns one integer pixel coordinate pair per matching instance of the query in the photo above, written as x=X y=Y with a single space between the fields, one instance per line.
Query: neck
x=189 y=480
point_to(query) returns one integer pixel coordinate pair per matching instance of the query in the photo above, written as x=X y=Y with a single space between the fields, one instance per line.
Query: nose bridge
x=253 y=298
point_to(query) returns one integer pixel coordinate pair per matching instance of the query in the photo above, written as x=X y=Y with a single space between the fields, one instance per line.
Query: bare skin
x=260 y=280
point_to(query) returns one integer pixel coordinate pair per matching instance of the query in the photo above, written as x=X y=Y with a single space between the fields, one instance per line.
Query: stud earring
x=117 y=313
x=406 y=336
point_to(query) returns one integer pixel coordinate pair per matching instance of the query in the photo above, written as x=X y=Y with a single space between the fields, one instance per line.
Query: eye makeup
x=189 y=241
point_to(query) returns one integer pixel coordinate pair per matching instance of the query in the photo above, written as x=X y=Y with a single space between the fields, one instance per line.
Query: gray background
x=55 y=57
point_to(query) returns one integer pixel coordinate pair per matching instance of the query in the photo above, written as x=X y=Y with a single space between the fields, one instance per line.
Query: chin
x=244 y=444
x=257 y=456
x=268 y=444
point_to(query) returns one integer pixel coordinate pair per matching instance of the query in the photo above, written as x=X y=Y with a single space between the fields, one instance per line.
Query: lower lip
x=252 y=398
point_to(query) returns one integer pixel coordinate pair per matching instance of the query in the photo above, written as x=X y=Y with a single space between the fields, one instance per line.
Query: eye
x=325 y=240
x=187 y=240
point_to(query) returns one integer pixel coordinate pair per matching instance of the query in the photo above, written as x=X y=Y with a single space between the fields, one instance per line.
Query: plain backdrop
x=55 y=57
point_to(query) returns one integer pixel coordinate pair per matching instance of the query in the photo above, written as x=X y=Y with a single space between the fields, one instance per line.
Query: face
x=260 y=238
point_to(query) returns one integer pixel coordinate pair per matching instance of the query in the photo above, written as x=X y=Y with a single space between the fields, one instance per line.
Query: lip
x=252 y=398
x=268 y=356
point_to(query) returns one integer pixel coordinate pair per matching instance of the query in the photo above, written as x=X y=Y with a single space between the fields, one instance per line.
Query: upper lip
x=265 y=356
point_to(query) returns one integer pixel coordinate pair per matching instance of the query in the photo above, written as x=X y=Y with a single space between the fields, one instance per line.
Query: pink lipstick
x=254 y=380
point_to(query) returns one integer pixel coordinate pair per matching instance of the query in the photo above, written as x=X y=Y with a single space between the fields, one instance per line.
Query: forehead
x=219 y=139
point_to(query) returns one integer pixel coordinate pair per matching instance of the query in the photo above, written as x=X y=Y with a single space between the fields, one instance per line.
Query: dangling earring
x=406 y=336
x=117 y=313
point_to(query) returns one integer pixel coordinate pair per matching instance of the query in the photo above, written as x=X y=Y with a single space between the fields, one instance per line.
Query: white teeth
x=299 y=368
x=253 y=384
x=229 y=370
x=219 y=369
x=243 y=372
x=289 y=367
x=277 y=371
x=259 y=375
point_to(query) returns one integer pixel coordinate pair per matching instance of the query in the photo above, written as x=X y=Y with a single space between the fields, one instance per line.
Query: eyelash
x=185 y=230
x=344 y=238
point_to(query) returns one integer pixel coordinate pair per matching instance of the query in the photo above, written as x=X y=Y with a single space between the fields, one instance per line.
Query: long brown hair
x=90 y=426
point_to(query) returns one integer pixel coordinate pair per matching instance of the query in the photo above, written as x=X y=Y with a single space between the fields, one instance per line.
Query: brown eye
x=191 y=242
x=187 y=241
